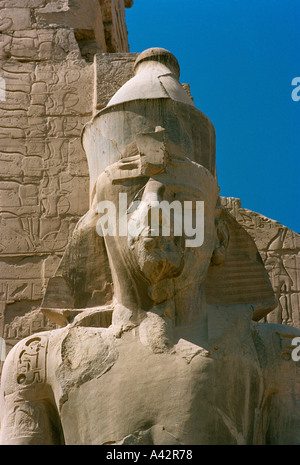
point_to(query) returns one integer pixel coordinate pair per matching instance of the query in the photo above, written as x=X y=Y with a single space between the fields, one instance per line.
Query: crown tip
x=160 y=55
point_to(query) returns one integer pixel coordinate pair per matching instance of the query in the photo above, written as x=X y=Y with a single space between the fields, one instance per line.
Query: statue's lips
x=162 y=256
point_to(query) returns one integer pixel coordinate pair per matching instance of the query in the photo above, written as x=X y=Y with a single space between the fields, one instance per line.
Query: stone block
x=32 y=167
x=78 y=165
x=12 y=145
x=15 y=19
x=9 y=194
x=16 y=101
x=29 y=195
x=112 y=70
x=11 y=166
x=36 y=147
x=22 y=3
x=113 y=13
x=77 y=193
x=37 y=123
x=16 y=268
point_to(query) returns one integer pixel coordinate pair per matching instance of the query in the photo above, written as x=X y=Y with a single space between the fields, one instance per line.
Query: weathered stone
x=149 y=321
x=111 y=71
x=15 y=19
x=279 y=248
x=62 y=62
x=22 y=3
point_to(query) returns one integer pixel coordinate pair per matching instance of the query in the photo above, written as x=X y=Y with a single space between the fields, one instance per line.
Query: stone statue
x=160 y=340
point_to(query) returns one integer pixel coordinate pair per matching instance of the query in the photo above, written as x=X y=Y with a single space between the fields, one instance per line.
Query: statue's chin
x=161 y=263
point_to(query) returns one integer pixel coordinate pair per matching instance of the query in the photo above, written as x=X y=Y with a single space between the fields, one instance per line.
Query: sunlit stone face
x=165 y=223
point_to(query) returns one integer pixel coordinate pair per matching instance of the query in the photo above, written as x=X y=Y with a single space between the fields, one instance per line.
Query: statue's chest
x=127 y=393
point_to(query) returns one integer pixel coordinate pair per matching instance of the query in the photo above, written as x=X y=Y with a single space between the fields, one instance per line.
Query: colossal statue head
x=151 y=144
x=152 y=99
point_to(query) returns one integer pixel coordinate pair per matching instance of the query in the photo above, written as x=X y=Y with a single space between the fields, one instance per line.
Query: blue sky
x=239 y=57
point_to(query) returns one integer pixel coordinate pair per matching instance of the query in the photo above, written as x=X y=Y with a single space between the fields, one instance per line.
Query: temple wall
x=51 y=67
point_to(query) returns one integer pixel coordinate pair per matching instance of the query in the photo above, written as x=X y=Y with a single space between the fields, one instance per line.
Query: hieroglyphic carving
x=46 y=52
x=27 y=378
x=111 y=72
x=282 y=284
x=21 y=327
x=31 y=367
x=279 y=248
x=5 y=39
x=40 y=170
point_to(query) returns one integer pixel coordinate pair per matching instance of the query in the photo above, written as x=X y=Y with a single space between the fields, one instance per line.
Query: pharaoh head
x=154 y=148
x=155 y=213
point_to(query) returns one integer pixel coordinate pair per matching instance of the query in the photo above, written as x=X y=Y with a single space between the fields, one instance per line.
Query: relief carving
x=31 y=367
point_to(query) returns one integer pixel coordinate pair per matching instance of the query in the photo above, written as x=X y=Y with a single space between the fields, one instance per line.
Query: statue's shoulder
x=84 y=353
x=275 y=342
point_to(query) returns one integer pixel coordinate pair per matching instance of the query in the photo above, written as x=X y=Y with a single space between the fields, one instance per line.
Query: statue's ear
x=222 y=241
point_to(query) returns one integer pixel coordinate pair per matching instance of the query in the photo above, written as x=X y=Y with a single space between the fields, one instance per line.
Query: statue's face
x=170 y=217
